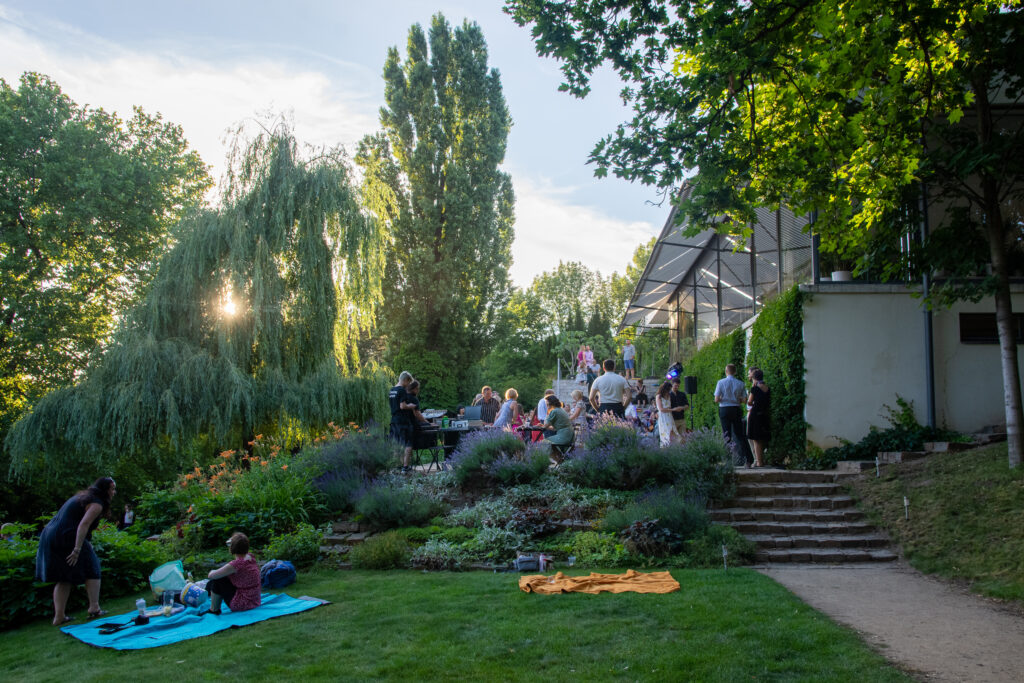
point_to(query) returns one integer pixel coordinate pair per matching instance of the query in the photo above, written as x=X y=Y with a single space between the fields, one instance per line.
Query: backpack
x=277 y=574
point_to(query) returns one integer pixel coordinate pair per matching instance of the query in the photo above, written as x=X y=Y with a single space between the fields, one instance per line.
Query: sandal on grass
x=97 y=615
x=66 y=620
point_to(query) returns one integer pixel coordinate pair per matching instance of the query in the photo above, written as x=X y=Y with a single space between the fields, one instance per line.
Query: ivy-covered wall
x=708 y=366
x=777 y=347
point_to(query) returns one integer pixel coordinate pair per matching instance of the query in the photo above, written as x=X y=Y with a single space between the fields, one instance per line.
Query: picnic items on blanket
x=120 y=632
x=170 y=576
x=194 y=594
x=277 y=574
x=630 y=582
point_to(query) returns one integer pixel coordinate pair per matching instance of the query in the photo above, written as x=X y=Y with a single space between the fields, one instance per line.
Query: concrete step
x=346 y=539
x=792 y=502
x=825 y=555
x=844 y=541
x=946 y=446
x=801 y=528
x=772 y=475
x=731 y=515
x=854 y=466
x=895 y=457
x=749 y=489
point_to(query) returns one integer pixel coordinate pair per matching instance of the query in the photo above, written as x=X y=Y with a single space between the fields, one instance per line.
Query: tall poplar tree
x=445 y=128
x=248 y=327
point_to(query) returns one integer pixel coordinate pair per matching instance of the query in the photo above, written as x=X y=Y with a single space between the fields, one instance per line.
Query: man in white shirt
x=613 y=391
x=730 y=394
x=542 y=406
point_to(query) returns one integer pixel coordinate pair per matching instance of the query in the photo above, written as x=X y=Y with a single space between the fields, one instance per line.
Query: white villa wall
x=864 y=344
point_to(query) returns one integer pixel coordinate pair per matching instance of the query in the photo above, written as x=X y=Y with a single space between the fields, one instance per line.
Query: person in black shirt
x=401 y=416
x=679 y=406
x=641 y=395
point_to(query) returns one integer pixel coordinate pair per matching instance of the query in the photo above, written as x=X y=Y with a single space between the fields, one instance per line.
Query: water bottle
x=140 y=605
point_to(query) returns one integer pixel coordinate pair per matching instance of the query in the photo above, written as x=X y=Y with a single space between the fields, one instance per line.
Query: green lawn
x=478 y=626
x=966 y=517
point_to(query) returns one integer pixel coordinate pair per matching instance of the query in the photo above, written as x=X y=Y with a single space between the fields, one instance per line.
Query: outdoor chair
x=427 y=440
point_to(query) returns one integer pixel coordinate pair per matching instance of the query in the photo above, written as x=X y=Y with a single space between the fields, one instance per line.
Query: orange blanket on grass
x=630 y=582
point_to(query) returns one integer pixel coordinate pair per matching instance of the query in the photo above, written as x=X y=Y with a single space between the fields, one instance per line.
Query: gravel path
x=936 y=631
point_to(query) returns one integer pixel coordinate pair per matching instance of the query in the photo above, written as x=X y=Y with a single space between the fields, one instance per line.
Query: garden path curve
x=935 y=630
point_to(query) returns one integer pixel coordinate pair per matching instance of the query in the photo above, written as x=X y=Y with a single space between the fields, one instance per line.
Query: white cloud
x=551 y=228
x=205 y=98
x=329 y=101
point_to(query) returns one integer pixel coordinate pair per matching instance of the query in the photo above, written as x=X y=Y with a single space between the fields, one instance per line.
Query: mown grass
x=966 y=517
x=404 y=625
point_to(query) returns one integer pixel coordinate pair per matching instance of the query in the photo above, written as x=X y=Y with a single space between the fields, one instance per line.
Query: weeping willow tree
x=250 y=326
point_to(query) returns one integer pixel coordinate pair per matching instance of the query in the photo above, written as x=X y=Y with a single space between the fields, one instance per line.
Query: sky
x=209 y=65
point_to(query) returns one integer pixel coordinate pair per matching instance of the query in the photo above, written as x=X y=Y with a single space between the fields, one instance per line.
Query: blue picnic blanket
x=185 y=625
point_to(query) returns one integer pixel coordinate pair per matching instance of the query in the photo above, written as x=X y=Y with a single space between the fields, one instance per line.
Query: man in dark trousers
x=679 y=406
x=730 y=394
x=401 y=422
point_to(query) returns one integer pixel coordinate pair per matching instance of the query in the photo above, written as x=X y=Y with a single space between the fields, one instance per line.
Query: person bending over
x=238 y=582
x=65 y=555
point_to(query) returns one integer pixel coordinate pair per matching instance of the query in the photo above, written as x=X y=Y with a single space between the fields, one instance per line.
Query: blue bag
x=277 y=574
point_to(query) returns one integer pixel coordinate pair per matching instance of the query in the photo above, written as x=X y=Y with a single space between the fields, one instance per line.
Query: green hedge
x=708 y=366
x=777 y=347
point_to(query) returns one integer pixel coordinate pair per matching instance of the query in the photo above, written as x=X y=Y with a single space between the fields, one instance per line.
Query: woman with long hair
x=66 y=557
x=668 y=432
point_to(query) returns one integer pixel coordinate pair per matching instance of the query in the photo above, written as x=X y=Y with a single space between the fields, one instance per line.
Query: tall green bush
x=777 y=347
x=708 y=366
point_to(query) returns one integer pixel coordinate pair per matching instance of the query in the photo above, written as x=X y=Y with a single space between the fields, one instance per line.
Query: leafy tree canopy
x=248 y=326
x=445 y=128
x=86 y=206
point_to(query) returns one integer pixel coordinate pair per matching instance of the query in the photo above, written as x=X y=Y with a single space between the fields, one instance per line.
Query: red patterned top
x=246 y=580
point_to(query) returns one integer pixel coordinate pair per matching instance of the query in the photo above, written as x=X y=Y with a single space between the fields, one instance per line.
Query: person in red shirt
x=238 y=582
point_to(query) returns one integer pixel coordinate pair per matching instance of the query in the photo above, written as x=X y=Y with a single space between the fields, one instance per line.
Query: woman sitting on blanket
x=238 y=582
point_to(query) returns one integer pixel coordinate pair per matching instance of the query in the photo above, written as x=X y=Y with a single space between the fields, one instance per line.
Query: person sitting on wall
x=489 y=405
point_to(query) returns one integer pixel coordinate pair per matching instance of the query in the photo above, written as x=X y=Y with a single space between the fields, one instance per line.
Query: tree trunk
x=1007 y=348
x=995 y=232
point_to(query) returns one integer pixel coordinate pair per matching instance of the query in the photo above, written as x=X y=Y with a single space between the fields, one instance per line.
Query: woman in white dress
x=667 y=430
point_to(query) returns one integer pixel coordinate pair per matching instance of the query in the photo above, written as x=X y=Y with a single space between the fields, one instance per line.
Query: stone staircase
x=796 y=516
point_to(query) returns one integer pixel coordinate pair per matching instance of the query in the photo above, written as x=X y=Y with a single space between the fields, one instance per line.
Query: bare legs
x=758 y=452
x=61 y=593
x=92 y=590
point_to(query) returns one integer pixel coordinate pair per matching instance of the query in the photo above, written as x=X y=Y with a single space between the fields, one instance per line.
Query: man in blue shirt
x=730 y=394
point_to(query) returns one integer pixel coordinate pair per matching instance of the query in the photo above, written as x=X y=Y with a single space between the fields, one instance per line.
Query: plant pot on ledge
x=842 y=276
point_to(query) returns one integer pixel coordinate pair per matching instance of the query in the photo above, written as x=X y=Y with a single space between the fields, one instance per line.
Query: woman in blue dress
x=509 y=414
x=66 y=557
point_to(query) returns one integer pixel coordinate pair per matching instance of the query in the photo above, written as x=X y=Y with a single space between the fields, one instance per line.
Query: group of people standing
x=730 y=395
